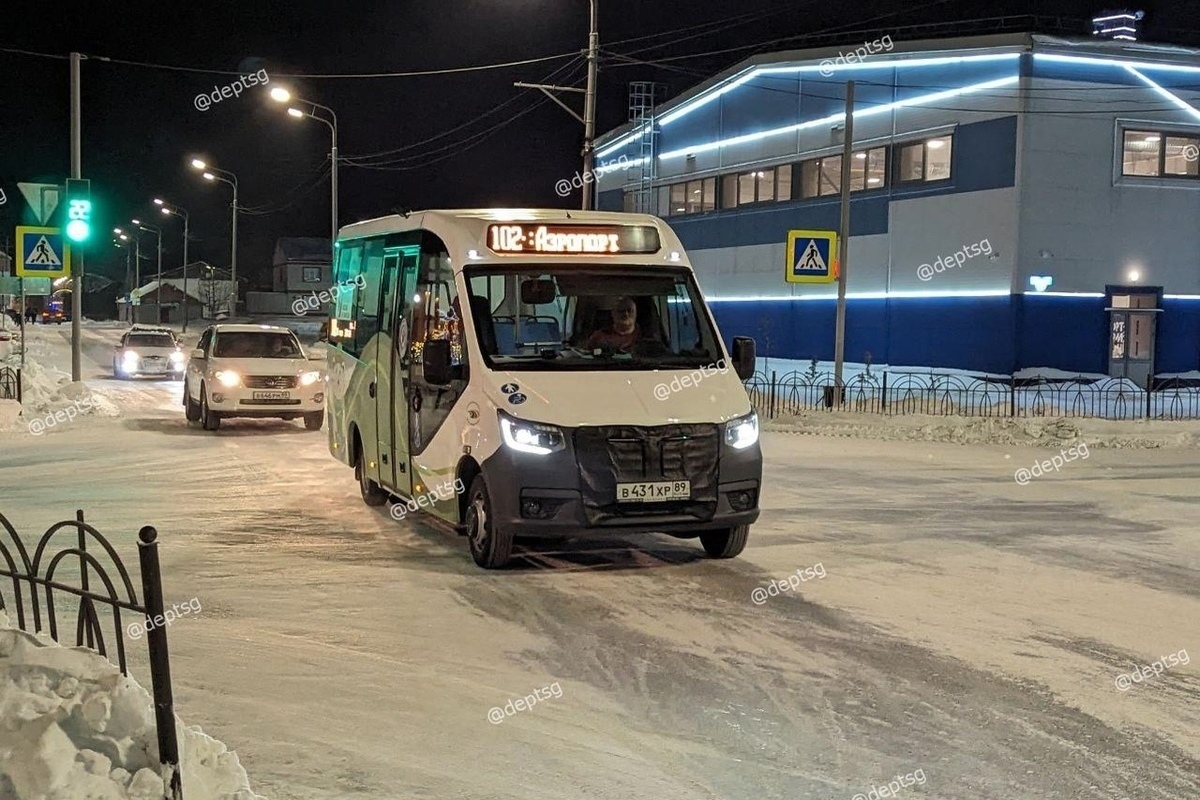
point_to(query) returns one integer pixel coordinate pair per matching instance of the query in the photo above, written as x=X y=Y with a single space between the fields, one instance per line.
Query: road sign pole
x=839 y=337
x=23 y=315
x=76 y=269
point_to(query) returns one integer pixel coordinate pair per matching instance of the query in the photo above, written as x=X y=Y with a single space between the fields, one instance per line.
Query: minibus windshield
x=577 y=317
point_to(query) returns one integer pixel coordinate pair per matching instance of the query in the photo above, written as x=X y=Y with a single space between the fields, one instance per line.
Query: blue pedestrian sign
x=811 y=257
x=42 y=252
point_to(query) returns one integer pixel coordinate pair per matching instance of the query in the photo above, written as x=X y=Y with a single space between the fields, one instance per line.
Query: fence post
x=883 y=397
x=1149 y=395
x=160 y=666
x=19 y=373
x=1012 y=395
x=771 y=405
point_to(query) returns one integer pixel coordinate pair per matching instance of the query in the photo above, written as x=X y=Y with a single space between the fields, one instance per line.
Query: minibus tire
x=493 y=549
x=725 y=543
x=372 y=493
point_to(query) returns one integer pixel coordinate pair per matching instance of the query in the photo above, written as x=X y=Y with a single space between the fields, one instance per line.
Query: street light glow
x=117 y=231
x=280 y=94
x=158 y=201
x=198 y=164
x=166 y=211
x=295 y=112
x=208 y=176
x=136 y=221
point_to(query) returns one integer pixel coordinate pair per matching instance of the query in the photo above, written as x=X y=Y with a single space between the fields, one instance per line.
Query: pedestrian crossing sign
x=811 y=257
x=42 y=252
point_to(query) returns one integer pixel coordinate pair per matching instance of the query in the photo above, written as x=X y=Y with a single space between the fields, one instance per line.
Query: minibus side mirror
x=198 y=354
x=743 y=357
x=435 y=361
x=537 y=291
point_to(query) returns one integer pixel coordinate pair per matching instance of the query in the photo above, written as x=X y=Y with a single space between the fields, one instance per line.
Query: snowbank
x=46 y=392
x=73 y=728
x=1037 y=432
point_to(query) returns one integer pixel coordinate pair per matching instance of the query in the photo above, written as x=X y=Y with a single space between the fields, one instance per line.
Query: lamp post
x=122 y=240
x=211 y=174
x=281 y=95
x=137 y=259
x=176 y=211
x=157 y=289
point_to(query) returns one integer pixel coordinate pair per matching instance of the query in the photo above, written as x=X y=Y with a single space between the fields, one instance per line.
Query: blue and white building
x=1057 y=180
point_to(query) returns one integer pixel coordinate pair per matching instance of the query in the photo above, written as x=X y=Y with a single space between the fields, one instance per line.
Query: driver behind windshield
x=624 y=331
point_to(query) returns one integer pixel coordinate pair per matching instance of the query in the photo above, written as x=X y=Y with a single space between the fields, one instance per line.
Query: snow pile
x=1037 y=432
x=48 y=391
x=73 y=728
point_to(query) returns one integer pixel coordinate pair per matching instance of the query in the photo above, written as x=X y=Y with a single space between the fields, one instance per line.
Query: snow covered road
x=967 y=627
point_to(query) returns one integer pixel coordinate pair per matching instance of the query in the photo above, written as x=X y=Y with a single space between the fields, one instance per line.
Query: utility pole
x=589 y=107
x=77 y=259
x=233 y=253
x=839 y=337
x=185 y=266
x=589 y=103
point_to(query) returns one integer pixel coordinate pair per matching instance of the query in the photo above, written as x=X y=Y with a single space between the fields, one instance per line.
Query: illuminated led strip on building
x=1133 y=68
x=745 y=77
x=835 y=118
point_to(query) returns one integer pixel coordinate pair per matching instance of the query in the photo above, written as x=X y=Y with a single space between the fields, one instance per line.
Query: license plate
x=271 y=395
x=654 y=491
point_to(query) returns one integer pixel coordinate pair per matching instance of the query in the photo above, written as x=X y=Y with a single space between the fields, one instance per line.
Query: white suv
x=252 y=371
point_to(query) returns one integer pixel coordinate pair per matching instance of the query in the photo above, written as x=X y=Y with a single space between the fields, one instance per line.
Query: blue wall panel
x=1067 y=333
x=966 y=332
x=1178 y=336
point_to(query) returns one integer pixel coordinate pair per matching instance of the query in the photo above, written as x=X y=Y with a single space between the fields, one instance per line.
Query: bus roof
x=465 y=229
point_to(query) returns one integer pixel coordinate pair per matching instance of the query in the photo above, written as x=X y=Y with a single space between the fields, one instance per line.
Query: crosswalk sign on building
x=811 y=257
x=42 y=252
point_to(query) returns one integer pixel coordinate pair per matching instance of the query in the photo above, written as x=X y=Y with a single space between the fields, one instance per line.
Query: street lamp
x=137 y=260
x=211 y=173
x=282 y=95
x=158 y=289
x=122 y=240
x=176 y=211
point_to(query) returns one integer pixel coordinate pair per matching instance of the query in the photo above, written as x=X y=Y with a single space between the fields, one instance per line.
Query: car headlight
x=531 y=437
x=742 y=432
x=228 y=377
x=130 y=357
x=177 y=357
x=309 y=378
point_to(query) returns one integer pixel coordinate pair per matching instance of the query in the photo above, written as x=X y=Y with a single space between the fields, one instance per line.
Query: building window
x=310 y=274
x=925 y=161
x=664 y=201
x=783 y=182
x=745 y=189
x=708 y=200
x=1160 y=154
x=729 y=184
x=693 y=197
x=678 y=198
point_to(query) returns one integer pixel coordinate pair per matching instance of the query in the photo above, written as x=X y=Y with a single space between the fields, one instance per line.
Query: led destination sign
x=573 y=239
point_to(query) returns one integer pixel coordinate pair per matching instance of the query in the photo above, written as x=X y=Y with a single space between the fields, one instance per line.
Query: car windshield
x=149 y=340
x=256 y=344
x=569 y=317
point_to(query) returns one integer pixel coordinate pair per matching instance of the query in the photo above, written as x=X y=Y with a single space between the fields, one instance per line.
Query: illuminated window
x=746 y=188
x=664 y=201
x=783 y=182
x=1160 y=154
x=709 y=200
x=929 y=160
x=830 y=176
x=729 y=184
x=679 y=198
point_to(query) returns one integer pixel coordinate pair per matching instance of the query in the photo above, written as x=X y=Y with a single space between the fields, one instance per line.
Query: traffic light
x=79 y=209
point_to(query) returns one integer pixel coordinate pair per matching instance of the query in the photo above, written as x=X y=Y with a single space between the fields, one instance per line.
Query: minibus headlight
x=742 y=432
x=531 y=437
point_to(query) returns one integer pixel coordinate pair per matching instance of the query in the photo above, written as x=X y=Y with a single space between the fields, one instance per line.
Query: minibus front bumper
x=572 y=492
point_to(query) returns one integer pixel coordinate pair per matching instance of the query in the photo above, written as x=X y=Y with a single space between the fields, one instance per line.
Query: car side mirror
x=435 y=361
x=744 y=358
x=316 y=355
x=198 y=354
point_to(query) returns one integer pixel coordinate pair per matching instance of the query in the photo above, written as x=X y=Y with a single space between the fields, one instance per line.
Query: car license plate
x=654 y=491
x=271 y=395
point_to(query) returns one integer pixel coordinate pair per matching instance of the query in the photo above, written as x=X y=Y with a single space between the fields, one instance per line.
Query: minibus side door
x=400 y=268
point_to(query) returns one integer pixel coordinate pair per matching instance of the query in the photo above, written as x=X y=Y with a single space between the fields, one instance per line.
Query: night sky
x=495 y=144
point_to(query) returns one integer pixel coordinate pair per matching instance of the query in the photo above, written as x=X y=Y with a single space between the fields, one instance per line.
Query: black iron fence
x=30 y=578
x=963 y=395
x=10 y=383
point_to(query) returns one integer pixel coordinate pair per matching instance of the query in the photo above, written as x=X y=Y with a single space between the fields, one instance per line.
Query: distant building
x=206 y=299
x=302 y=266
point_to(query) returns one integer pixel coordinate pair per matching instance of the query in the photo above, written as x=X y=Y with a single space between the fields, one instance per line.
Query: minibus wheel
x=372 y=493
x=490 y=548
x=725 y=543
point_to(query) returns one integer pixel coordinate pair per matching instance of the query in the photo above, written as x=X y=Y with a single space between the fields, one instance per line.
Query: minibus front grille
x=612 y=454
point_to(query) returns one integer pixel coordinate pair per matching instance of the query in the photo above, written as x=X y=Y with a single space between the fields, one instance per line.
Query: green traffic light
x=78 y=230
